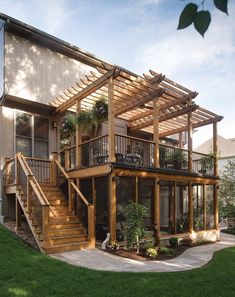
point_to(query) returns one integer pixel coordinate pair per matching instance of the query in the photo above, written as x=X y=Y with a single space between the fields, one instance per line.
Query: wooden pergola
x=151 y=103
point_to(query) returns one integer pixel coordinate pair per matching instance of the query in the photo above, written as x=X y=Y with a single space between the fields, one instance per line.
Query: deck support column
x=190 y=141
x=78 y=138
x=156 y=213
x=204 y=206
x=18 y=215
x=216 y=207
x=190 y=206
x=215 y=148
x=112 y=207
x=111 y=140
x=156 y=131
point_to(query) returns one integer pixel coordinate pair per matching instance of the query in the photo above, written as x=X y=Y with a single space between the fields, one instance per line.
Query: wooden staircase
x=65 y=232
x=50 y=216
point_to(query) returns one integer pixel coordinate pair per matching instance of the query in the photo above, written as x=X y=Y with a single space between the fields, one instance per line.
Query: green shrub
x=174 y=241
x=147 y=245
x=151 y=253
x=165 y=250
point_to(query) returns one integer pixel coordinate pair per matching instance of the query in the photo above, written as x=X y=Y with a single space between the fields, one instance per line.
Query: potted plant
x=90 y=120
x=178 y=159
x=207 y=163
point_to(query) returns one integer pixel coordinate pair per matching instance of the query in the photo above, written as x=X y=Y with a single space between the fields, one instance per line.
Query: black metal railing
x=94 y=151
x=41 y=169
x=203 y=164
x=173 y=158
x=134 y=151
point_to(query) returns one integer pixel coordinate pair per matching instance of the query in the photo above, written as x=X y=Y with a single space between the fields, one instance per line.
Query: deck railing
x=94 y=151
x=173 y=158
x=35 y=202
x=134 y=151
x=67 y=157
x=203 y=164
x=41 y=169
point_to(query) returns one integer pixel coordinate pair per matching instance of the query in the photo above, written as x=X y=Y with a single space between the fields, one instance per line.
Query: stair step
x=67 y=231
x=67 y=239
x=59 y=248
x=61 y=213
x=54 y=225
x=60 y=219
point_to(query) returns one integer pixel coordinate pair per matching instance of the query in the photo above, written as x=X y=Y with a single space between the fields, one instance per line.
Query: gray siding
x=36 y=73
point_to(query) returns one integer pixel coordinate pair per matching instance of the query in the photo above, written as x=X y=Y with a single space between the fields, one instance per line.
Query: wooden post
x=136 y=189
x=190 y=206
x=16 y=169
x=111 y=140
x=66 y=159
x=215 y=148
x=18 y=214
x=54 y=168
x=204 y=207
x=216 y=207
x=112 y=207
x=174 y=208
x=71 y=195
x=156 y=213
x=181 y=140
x=91 y=223
x=45 y=219
x=156 y=131
x=190 y=141
x=29 y=193
x=94 y=198
x=78 y=137
x=7 y=171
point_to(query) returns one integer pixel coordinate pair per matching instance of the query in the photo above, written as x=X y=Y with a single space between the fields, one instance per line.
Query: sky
x=140 y=35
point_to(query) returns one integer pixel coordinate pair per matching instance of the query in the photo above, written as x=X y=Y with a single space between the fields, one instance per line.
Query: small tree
x=227 y=189
x=135 y=214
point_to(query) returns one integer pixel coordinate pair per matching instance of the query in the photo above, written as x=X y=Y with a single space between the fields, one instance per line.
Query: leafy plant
x=207 y=163
x=134 y=214
x=165 y=250
x=151 y=253
x=201 y=19
x=87 y=120
x=67 y=130
x=147 y=245
x=177 y=158
x=174 y=241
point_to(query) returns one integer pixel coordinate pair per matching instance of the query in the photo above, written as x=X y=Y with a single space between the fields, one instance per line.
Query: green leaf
x=222 y=5
x=187 y=16
x=202 y=21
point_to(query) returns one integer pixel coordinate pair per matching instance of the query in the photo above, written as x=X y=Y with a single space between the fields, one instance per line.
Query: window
x=32 y=135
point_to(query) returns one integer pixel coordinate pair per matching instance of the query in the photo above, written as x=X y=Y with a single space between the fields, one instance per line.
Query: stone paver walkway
x=190 y=259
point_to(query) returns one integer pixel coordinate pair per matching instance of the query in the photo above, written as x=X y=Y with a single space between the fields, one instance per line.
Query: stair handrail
x=90 y=207
x=38 y=192
x=33 y=179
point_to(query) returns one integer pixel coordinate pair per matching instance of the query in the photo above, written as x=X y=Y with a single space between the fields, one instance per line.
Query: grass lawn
x=25 y=272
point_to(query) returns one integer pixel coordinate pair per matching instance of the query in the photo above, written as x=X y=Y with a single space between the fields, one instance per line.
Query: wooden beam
x=156 y=132
x=190 y=206
x=215 y=148
x=112 y=207
x=194 y=126
x=156 y=212
x=204 y=206
x=139 y=102
x=190 y=140
x=216 y=208
x=100 y=82
x=111 y=138
x=165 y=117
x=165 y=106
x=78 y=138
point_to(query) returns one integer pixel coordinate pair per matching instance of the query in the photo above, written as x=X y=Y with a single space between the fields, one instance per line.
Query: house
x=73 y=196
x=226 y=150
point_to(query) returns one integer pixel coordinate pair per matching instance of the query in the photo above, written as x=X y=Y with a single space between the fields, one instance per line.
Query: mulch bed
x=131 y=254
x=23 y=232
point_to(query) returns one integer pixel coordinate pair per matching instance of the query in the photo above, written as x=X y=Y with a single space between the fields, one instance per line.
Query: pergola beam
x=100 y=82
x=194 y=126
x=155 y=94
x=179 y=101
x=165 y=117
